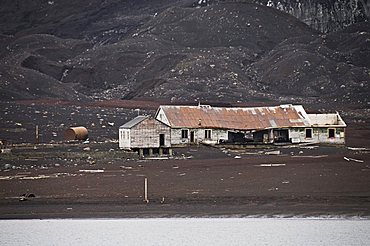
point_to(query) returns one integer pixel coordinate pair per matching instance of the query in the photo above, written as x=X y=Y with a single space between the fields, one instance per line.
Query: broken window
x=184 y=133
x=207 y=134
x=331 y=133
x=309 y=133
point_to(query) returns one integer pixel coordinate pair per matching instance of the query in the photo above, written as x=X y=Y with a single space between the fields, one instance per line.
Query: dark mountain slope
x=235 y=51
x=33 y=67
x=188 y=53
x=224 y=25
x=318 y=68
x=353 y=42
x=95 y=19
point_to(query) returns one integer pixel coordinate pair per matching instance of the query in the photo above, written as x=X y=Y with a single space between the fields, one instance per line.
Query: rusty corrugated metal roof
x=235 y=118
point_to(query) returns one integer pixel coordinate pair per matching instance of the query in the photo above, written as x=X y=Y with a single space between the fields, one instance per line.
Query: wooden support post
x=37 y=134
x=160 y=151
x=146 y=190
x=170 y=152
x=271 y=135
x=150 y=152
x=141 y=153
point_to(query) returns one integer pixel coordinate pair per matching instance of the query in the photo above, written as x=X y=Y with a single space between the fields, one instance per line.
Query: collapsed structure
x=183 y=125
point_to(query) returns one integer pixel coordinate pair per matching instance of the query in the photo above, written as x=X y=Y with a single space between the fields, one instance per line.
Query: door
x=192 y=136
x=161 y=140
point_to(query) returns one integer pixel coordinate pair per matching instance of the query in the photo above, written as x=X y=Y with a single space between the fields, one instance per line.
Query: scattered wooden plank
x=352 y=159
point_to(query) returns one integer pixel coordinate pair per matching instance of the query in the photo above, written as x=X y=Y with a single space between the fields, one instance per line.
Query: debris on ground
x=91 y=171
x=352 y=159
x=271 y=165
x=310 y=156
x=126 y=167
x=357 y=149
x=6 y=151
x=24 y=197
x=275 y=152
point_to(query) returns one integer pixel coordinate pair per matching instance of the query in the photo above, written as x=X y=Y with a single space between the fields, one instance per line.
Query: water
x=186 y=231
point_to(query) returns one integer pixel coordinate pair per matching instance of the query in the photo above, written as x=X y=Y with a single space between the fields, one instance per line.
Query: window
x=207 y=134
x=331 y=133
x=127 y=135
x=308 y=133
x=184 y=133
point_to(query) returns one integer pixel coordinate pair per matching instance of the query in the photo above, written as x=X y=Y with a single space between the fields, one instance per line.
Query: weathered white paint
x=319 y=135
x=161 y=116
x=199 y=136
x=326 y=120
x=124 y=138
x=145 y=134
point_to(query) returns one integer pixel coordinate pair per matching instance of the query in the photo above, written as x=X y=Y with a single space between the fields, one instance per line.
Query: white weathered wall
x=124 y=138
x=323 y=119
x=319 y=135
x=162 y=117
x=176 y=136
x=199 y=136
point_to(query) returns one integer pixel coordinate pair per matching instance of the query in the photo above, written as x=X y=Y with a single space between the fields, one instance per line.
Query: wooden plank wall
x=146 y=134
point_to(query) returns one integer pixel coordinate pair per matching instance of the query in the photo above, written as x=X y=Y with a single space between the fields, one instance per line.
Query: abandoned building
x=284 y=123
x=145 y=135
x=176 y=126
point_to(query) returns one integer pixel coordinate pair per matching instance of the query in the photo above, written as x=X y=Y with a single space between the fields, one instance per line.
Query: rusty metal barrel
x=76 y=133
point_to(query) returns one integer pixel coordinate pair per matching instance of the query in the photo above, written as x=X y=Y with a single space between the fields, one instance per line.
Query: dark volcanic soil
x=71 y=180
x=303 y=182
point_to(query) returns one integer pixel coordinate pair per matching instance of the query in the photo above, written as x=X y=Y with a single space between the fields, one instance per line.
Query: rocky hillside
x=177 y=50
x=324 y=15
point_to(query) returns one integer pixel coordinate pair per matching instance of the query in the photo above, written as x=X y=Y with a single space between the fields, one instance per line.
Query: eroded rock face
x=177 y=50
x=322 y=15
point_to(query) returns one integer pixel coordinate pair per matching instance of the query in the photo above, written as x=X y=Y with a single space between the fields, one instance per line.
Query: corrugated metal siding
x=233 y=118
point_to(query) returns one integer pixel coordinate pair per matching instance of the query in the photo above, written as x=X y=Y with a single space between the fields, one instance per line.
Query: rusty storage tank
x=76 y=133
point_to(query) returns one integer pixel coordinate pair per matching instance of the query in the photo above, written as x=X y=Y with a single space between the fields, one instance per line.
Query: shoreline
x=116 y=210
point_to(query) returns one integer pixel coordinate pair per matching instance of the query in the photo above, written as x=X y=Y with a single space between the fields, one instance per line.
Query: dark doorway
x=308 y=133
x=281 y=136
x=161 y=140
x=236 y=137
x=145 y=152
x=192 y=137
x=331 y=133
x=260 y=136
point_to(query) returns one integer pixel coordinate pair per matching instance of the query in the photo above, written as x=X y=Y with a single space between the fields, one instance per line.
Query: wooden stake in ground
x=146 y=190
x=37 y=134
